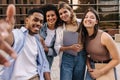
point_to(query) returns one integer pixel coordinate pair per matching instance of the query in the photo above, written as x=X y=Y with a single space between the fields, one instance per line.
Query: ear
x=10 y=13
x=26 y=20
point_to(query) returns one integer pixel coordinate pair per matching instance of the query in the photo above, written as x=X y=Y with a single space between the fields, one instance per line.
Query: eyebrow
x=38 y=18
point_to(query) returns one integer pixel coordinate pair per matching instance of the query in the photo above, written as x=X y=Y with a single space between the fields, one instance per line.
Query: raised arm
x=6 y=26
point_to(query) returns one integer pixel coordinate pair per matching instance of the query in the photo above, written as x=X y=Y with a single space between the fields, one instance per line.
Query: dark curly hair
x=50 y=7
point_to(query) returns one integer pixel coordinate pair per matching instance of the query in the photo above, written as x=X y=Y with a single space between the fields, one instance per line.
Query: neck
x=68 y=23
x=52 y=27
x=31 y=33
x=90 y=31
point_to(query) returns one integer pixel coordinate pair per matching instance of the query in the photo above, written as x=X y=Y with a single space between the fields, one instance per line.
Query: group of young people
x=42 y=38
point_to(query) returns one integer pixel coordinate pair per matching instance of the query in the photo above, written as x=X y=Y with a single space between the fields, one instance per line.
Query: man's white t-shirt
x=25 y=65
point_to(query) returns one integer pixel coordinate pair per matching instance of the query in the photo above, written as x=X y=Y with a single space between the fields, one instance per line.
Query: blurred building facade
x=109 y=10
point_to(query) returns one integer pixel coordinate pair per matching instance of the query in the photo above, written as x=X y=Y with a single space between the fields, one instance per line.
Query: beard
x=32 y=32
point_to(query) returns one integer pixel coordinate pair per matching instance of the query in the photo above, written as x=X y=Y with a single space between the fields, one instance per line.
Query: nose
x=39 y=24
x=50 y=17
x=88 y=19
x=63 y=15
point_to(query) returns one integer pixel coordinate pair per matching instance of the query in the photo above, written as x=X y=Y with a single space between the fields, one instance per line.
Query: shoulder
x=106 y=38
x=59 y=28
x=20 y=31
x=16 y=31
x=105 y=35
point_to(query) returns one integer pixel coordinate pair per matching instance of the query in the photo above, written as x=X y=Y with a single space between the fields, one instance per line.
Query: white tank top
x=49 y=37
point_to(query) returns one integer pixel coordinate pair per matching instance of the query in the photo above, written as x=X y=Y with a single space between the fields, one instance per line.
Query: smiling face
x=90 y=20
x=34 y=22
x=51 y=18
x=65 y=14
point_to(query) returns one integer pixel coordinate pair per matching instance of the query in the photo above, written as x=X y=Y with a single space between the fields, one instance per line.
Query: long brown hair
x=83 y=31
x=51 y=7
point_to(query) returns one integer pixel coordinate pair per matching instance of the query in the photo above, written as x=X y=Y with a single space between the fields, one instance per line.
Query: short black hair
x=31 y=11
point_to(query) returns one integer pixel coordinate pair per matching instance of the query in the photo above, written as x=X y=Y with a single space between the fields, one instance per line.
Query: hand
x=43 y=43
x=10 y=13
x=76 y=47
x=90 y=69
x=6 y=26
x=95 y=73
x=47 y=76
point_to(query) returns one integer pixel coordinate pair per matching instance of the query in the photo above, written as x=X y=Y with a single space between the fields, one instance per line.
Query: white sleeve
x=59 y=40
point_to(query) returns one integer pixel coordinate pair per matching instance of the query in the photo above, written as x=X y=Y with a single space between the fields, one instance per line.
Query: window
x=108 y=11
x=16 y=1
x=24 y=1
x=1 y=11
x=42 y=1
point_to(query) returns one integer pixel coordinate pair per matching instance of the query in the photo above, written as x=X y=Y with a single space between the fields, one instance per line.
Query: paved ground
x=55 y=68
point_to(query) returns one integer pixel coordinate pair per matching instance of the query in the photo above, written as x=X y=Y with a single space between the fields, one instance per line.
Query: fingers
x=90 y=70
x=95 y=73
x=10 y=13
x=4 y=61
x=76 y=47
x=4 y=28
x=7 y=48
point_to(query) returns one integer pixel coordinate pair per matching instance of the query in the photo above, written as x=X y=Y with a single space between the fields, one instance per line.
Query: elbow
x=117 y=61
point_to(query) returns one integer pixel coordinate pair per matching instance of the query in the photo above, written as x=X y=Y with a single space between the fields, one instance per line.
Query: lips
x=51 y=21
x=64 y=18
x=88 y=22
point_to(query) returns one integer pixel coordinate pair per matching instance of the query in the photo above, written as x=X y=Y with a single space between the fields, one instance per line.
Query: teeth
x=88 y=22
